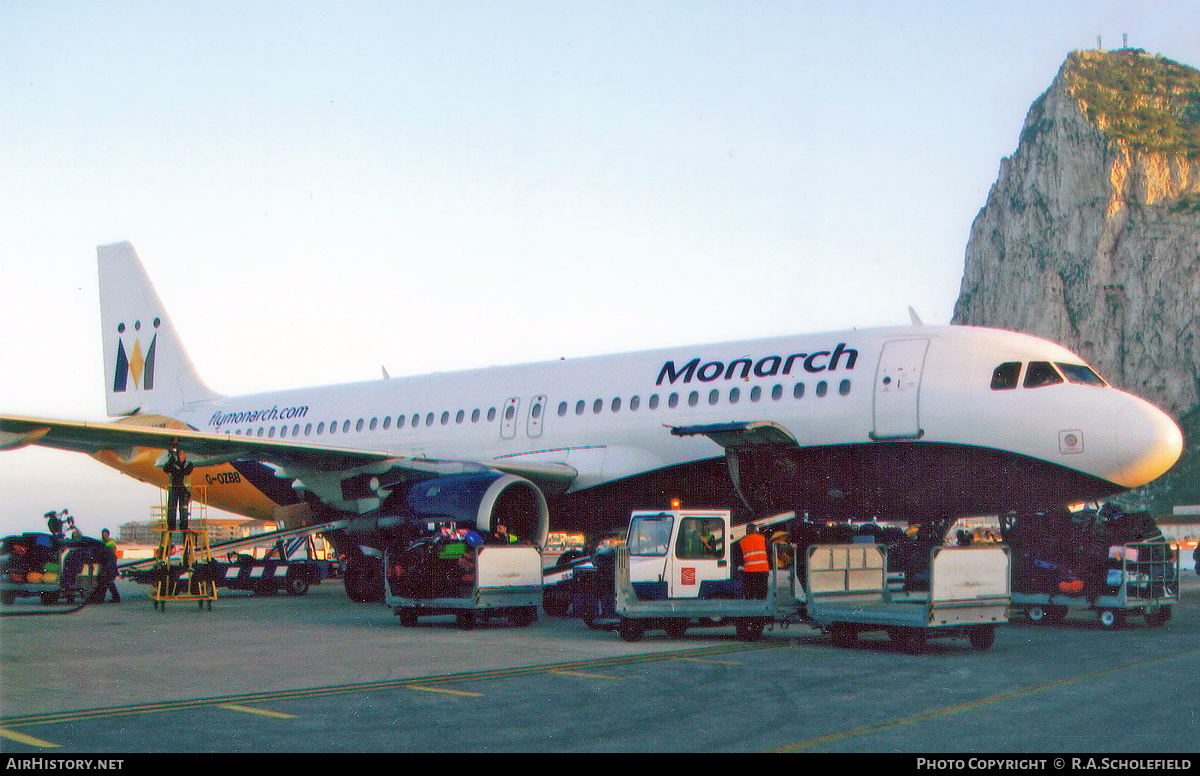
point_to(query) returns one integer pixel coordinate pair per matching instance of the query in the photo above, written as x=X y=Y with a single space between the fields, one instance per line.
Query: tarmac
x=319 y=673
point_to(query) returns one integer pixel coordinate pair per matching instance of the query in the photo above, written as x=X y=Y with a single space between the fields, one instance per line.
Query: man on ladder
x=179 y=496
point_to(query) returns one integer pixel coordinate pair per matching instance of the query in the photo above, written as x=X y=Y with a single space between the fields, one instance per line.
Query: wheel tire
x=912 y=640
x=982 y=636
x=297 y=585
x=1056 y=614
x=750 y=629
x=1158 y=617
x=675 y=628
x=630 y=629
x=364 y=580
x=844 y=635
x=1110 y=618
x=1036 y=614
x=523 y=616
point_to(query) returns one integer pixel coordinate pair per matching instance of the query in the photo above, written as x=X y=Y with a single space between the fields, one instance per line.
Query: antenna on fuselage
x=916 y=319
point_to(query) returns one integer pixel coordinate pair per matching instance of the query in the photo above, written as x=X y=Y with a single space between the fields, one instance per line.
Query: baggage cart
x=968 y=595
x=472 y=583
x=1140 y=579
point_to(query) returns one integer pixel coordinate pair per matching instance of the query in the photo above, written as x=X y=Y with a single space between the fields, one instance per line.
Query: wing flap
x=753 y=433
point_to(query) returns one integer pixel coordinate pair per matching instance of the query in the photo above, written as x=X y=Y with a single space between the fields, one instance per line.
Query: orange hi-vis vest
x=754 y=552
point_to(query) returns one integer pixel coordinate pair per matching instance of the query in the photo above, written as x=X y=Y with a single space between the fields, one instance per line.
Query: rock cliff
x=1091 y=234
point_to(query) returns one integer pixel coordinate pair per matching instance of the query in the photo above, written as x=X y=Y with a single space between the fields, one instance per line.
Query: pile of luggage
x=1078 y=553
x=46 y=565
x=441 y=565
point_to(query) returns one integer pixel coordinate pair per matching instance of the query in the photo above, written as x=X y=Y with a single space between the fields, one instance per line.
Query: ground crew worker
x=109 y=583
x=179 y=495
x=755 y=563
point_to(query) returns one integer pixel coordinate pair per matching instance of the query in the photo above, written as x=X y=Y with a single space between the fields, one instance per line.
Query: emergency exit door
x=898 y=389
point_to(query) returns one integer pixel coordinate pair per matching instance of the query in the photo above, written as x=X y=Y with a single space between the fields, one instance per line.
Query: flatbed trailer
x=492 y=580
x=848 y=594
x=291 y=567
x=845 y=590
x=1142 y=580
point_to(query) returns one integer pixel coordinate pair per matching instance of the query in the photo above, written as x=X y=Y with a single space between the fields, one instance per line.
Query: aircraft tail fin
x=145 y=364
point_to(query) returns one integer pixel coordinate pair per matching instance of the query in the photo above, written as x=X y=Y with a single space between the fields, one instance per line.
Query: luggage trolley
x=183 y=580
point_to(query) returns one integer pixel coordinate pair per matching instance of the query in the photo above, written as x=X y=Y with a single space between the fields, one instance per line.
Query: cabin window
x=374 y=423
x=798 y=391
x=475 y=415
x=359 y=425
x=616 y=404
x=579 y=407
x=734 y=395
x=1040 y=374
x=654 y=401
x=346 y=427
x=445 y=417
x=491 y=414
x=562 y=408
x=510 y=412
x=400 y=420
x=693 y=399
x=822 y=388
x=296 y=430
x=460 y=416
x=634 y=403
x=321 y=428
x=416 y=421
x=777 y=392
x=673 y=400
x=597 y=405
x=844 y=387
x=387 y=422
x=308 y=429
x=714 y=396
x=1081 y=375
x=1006 y=376
x=429 y=419
x=282 y=431
x=756 y=393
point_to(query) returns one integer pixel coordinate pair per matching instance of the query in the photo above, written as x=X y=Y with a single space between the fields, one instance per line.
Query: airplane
x=917 y=424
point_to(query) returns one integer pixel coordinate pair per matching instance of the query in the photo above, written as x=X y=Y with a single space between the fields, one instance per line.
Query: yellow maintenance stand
x=179 y=553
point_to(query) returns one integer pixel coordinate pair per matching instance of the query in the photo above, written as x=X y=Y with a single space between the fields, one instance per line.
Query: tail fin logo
x=135 y=366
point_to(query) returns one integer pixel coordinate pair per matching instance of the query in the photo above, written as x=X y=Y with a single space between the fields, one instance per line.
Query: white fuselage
x=608 y=416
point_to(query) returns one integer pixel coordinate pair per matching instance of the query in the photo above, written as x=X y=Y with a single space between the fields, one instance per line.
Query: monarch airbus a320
x=912 y=423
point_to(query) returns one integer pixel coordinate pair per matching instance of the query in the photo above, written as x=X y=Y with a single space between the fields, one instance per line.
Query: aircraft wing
x=297 y=459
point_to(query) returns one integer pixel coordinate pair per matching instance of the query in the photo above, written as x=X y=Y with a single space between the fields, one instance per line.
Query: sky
x=320 y=190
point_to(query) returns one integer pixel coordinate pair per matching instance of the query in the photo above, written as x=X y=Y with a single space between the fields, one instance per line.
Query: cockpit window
x=1005 y=377
x=1081 y=375
x=1040 y=374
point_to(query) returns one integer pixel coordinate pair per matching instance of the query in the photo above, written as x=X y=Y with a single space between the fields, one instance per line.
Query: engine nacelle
x=482 y=500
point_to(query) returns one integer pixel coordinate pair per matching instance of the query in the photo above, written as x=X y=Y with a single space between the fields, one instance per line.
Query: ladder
x=179 y=553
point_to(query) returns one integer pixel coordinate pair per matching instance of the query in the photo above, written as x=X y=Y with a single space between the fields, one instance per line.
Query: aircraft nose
x=1152 y=440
